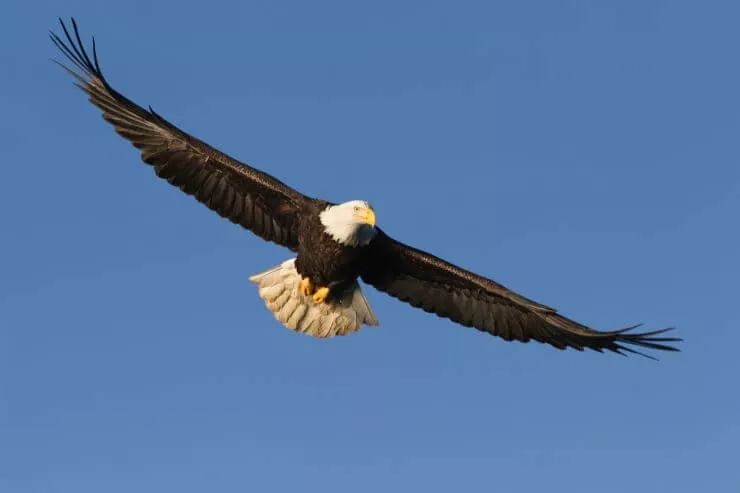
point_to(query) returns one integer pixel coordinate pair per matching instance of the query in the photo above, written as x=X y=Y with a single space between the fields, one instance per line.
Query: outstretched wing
x=244 y=195
x=436 y=286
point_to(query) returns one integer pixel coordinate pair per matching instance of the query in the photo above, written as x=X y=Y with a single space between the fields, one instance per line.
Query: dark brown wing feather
x=436 y=286
x=244 y=195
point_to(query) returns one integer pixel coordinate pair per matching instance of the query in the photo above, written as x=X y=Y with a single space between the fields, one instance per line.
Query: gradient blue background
x=583 y=153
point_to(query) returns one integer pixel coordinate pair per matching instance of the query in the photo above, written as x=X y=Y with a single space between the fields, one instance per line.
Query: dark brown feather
x=244 y=195
x=436 y=286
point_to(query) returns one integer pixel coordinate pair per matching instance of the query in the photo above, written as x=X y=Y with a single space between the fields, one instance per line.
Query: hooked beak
x=368 y=217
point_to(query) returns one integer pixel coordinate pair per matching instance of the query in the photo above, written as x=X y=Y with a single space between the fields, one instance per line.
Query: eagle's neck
x=344 y=229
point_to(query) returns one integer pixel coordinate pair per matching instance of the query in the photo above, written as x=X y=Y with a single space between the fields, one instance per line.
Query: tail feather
x=279 y=289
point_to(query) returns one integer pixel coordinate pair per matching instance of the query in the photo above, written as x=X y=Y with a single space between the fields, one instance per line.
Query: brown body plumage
x=279 y=213
x=325 y=261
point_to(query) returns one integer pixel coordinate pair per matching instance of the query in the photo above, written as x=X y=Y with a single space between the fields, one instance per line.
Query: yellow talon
x=306 y=287
x=320 y=295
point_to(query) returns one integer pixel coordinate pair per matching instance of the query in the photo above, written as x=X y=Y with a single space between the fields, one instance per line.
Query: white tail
x=278 y=287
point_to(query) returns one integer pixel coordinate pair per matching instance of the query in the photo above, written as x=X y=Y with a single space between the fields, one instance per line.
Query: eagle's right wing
x=437 y=286
x=244 y=195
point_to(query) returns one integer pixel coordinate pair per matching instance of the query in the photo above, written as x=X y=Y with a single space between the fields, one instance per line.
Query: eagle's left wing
x=436 y=286
x=245 y=195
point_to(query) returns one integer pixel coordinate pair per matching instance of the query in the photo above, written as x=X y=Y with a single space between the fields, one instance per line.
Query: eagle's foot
x=320 y=295
x=306 y=287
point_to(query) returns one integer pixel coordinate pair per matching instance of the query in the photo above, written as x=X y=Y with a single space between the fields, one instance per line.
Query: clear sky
x=582 y=153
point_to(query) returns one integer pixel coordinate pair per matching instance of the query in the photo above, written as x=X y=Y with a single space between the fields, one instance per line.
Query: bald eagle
x=317 y=291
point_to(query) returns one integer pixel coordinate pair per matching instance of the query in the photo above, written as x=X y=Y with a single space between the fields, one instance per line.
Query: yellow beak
x=369 y=217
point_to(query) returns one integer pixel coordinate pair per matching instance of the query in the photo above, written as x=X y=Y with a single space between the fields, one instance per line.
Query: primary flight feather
x=317 y=292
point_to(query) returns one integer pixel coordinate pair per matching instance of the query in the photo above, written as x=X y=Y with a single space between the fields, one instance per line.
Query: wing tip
x=623 y=341
x=74 y=50
x=624 y=338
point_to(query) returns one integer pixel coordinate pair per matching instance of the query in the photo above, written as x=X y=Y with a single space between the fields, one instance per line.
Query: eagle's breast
x=324 y=260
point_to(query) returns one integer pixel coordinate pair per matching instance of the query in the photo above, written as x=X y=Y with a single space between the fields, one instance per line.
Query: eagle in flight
x=335 y=245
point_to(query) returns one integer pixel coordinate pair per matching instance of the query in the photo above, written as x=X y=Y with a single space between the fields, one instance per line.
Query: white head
x=351 y=223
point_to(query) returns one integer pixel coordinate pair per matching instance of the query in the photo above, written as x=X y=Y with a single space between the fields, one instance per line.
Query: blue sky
x=583 y=153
